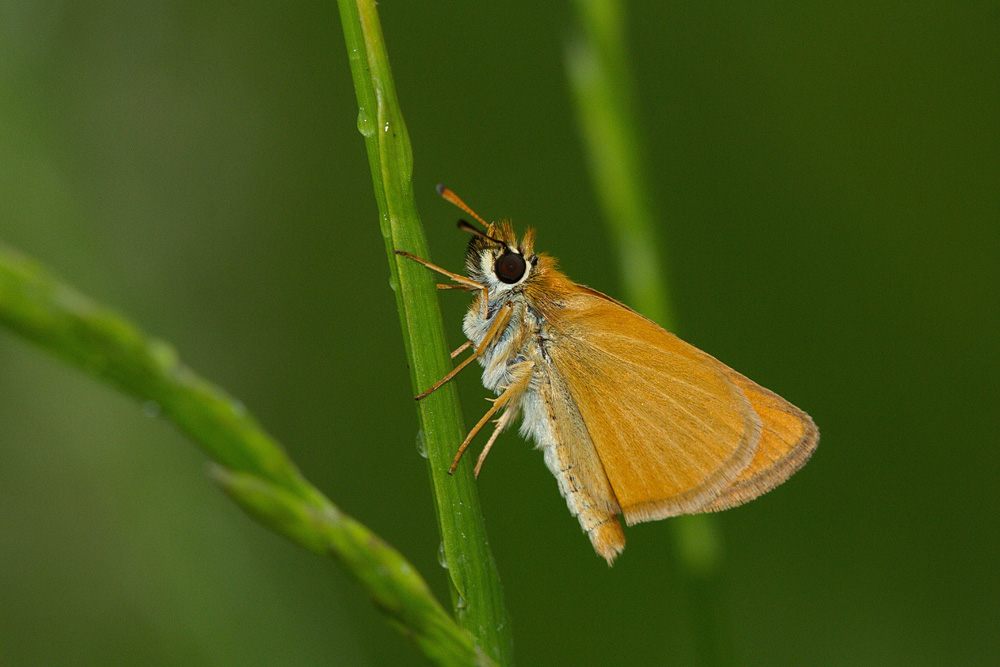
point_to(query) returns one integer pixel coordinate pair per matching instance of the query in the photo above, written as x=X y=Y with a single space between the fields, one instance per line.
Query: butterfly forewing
x=787 y=441
x=671 y=429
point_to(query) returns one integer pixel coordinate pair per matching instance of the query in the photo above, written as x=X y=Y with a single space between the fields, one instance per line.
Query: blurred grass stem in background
x=477 y=595
x=601 y=82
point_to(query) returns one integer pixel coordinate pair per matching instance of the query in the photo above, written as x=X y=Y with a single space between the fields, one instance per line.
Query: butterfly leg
x=522 y=373
x=500 y=322
x=463 y=282
x=454 y=371
x=460 y=349
x=505 y=419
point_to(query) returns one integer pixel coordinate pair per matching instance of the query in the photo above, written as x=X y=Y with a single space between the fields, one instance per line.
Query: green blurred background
x=827 y=180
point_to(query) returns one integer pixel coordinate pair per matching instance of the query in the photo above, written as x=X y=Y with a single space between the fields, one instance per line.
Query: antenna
x=450 y=196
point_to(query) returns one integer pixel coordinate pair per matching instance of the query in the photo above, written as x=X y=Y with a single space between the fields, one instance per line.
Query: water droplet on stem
x=365 y=125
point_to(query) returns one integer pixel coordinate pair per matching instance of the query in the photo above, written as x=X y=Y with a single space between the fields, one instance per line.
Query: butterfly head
x=498 y=259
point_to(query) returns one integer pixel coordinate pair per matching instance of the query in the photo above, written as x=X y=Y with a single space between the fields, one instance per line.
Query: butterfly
x=631 y=420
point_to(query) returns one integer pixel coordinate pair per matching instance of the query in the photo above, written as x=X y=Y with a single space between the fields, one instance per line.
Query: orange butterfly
x=631 y=419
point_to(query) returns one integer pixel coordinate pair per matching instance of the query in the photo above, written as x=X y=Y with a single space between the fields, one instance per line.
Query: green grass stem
x=251 y=466
x=475 y=583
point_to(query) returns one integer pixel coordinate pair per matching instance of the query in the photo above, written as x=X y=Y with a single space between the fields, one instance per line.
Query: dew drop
x=365 y=125
x=442 y=557
x=421 y=444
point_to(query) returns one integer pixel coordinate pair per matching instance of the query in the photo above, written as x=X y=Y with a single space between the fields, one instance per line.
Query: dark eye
x=509 y=267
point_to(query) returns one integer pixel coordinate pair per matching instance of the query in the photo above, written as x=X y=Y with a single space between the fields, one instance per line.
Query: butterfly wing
x=787 y=440
x=671 y=427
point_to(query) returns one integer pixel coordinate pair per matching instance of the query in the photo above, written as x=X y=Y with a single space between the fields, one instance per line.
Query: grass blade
x=475 y=583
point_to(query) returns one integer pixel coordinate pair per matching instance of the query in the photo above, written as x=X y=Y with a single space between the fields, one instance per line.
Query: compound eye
x=510 y=267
